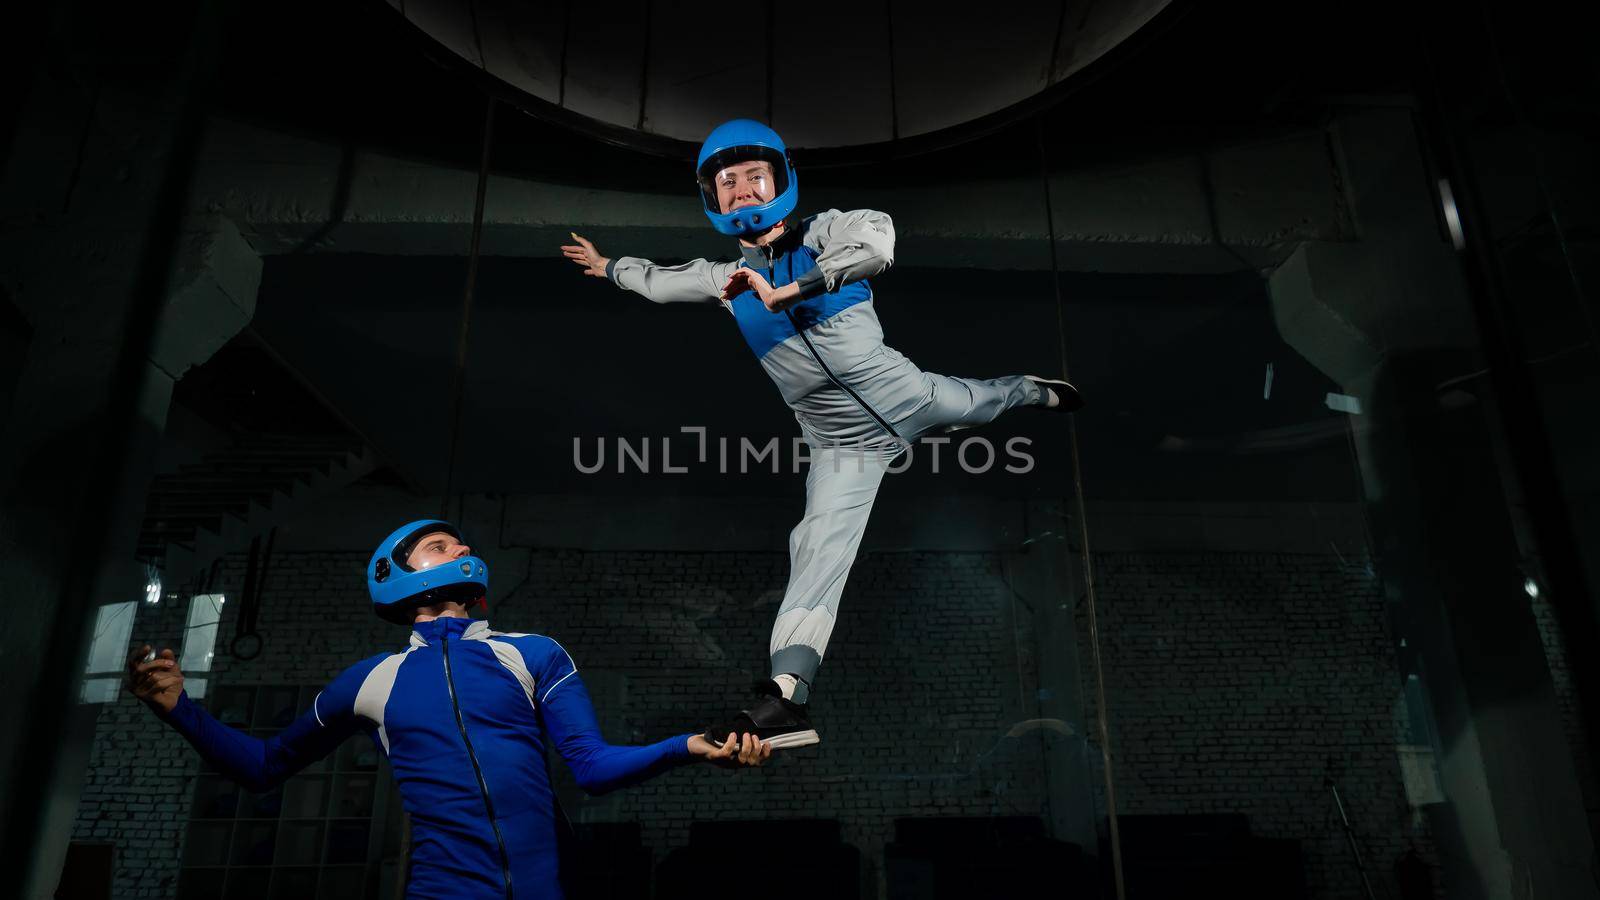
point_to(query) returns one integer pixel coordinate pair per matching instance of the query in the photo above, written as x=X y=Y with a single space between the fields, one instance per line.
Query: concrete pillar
x=1388 y=319
x=213 y=289
x=69 y=265
x=86 y=219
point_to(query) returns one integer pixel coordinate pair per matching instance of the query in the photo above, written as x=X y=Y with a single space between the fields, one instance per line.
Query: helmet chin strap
x=765 y=237
x=449 y=609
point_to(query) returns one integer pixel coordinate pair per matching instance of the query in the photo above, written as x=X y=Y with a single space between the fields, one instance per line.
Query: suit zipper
x=825 y=370
x=483 y=786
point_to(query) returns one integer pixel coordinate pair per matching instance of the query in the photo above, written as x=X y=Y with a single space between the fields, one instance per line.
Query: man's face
x=436 y=548
x=744 y=184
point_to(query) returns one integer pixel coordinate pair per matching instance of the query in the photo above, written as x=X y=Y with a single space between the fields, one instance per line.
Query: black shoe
x=1071 y=400
x=771 y=718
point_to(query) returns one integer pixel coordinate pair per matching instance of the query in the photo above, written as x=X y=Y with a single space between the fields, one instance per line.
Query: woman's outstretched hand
x=584 y=254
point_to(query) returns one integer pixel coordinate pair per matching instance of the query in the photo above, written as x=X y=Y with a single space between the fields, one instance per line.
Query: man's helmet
x=743 y=140
x=396 y=589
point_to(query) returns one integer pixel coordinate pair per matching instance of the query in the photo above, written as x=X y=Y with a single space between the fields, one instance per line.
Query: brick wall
x=1555 y=650
x=1234 y=678
x=1231 y=678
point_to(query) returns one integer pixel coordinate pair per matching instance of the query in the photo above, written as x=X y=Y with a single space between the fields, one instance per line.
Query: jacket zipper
x=818 y=357
x=483 y=786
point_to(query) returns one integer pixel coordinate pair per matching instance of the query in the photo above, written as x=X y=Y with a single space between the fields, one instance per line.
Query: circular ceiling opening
x=659 y=76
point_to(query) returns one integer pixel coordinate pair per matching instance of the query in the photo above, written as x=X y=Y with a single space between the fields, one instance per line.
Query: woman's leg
x=840 y=489
x=968 y=402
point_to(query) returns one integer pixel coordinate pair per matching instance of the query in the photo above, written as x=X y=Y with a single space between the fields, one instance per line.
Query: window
x=113 y=628
x=200 y=642
x=321 y=834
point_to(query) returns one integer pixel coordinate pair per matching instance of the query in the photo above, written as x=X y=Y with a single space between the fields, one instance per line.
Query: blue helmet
x=743 y=140
x=396 y=589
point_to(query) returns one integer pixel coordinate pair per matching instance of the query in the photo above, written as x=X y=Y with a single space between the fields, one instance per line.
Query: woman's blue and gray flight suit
x=463 y=715
x=859 y=402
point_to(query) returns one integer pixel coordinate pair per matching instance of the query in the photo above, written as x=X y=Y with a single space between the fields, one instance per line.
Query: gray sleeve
x=696 y=281
x=850 y=246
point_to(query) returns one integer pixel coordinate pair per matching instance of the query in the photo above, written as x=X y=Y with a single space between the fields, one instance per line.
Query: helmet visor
x=743 y=176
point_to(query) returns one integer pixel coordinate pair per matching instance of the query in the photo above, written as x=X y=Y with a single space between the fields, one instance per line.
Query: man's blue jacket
x=463 y=715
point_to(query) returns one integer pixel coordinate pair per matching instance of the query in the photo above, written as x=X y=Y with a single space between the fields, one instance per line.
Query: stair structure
x=214 y=507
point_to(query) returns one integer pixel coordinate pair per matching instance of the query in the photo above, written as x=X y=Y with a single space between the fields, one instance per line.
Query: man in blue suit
x=463 y=713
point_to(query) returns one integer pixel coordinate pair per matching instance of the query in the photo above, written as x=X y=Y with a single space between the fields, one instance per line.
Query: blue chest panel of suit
x=458 y=850
x=764 y=329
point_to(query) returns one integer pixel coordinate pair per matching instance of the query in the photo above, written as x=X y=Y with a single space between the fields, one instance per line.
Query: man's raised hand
x=584 y=254
x=733 y=753
x=156 y=680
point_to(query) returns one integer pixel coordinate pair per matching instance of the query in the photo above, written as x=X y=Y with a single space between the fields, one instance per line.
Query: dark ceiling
x=1213 y=71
